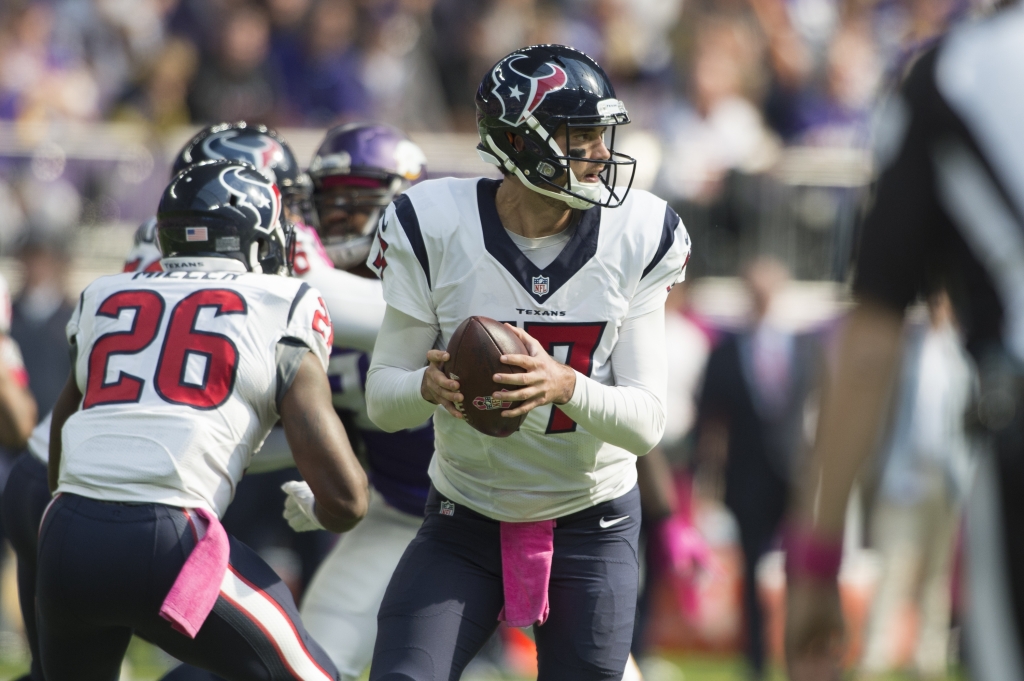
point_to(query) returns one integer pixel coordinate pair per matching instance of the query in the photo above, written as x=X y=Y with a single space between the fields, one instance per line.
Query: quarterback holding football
x=539 y=528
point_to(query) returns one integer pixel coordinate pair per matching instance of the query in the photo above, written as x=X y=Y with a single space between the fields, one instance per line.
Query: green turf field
x=145 y=663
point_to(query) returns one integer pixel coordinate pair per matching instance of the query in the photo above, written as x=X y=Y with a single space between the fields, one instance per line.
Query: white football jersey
x=443 y=255
x=356 y=303
x=181 y=375
x=357 y=309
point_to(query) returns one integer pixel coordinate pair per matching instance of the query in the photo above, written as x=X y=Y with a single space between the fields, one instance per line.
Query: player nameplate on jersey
x=540 y=285
x=447 y=508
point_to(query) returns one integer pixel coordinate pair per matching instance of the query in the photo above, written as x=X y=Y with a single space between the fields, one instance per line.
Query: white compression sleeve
x=393 y=399
x=355 y=304
x=631 y=413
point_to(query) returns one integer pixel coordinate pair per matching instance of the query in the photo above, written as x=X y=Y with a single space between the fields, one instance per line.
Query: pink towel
x=195 y=590
x=526 y=552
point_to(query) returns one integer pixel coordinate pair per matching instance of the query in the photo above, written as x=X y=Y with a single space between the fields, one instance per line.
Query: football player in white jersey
x=23 y=506
x=178 y=377
x=356 y=172
x=539 y=528
x=254 y=517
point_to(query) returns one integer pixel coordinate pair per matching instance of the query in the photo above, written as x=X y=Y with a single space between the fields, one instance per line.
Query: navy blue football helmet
x=531 y=94
x=225 y=209
x=256 y=145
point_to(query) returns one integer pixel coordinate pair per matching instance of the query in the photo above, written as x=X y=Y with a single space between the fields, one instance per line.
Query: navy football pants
x=24 y=500
x=444 y=598
x=104 y=570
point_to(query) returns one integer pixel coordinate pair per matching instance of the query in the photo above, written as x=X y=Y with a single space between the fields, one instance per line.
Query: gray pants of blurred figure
x=915 y=543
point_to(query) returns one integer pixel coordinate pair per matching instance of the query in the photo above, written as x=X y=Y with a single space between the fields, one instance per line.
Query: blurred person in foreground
x=18 y=411
x=924 y=477
x=673 y=549
x=752 y=413
x=28 y=492
x=949 y=209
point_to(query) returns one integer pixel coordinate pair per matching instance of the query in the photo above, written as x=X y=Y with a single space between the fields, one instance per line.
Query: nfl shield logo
x=447 y=508
x=540 y=285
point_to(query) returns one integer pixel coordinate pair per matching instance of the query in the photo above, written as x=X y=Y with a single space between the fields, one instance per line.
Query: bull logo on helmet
x=261 y=151
x=521 y=93
x=253 y=194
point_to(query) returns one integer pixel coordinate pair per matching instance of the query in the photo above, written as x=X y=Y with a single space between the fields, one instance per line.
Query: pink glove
x=686 y=556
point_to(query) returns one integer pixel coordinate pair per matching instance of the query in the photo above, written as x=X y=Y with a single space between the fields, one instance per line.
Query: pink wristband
x=811 y=555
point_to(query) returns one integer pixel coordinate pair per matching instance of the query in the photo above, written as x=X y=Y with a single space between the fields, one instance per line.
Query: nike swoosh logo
x=605 y=524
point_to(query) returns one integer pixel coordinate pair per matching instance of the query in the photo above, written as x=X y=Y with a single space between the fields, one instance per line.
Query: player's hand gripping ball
x=474 y=352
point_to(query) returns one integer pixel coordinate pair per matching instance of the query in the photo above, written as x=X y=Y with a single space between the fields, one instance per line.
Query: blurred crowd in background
x=723 y=78
x=753 y=118
x=717 y=89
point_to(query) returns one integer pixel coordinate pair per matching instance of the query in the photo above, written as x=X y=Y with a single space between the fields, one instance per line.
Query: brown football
x=474 y=353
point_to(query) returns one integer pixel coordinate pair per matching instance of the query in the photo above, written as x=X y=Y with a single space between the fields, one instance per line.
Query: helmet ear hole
x=233 y=201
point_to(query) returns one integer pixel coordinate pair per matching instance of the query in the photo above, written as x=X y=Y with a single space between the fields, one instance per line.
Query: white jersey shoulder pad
x=660 y=242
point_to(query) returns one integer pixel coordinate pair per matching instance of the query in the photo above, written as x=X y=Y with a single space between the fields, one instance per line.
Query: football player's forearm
x=393 y=398
x=631 y=413
x=66 y=405
x=624 y=416
x=322 y=451
x=854 y=405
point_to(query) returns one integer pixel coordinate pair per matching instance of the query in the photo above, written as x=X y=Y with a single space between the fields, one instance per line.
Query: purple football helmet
x=356 y=172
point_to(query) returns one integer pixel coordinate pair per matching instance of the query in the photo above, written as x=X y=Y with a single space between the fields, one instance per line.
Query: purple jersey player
x=356 y=172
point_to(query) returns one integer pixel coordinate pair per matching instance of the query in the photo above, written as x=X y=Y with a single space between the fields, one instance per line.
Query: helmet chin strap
x=591 y=190
x=254 y=261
